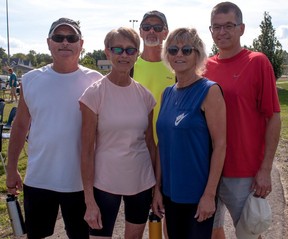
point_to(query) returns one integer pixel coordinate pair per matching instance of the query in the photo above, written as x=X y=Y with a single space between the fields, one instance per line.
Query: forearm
x=271 y=141
x=216 y=167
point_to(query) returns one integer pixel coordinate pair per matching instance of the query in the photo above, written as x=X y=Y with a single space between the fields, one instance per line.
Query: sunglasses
x=186 y=50
x=119 y=50
x=156 y=28
x=69 y=38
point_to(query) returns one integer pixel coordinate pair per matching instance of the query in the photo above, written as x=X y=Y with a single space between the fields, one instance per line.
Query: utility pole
x=8 y=43
x=133 y=22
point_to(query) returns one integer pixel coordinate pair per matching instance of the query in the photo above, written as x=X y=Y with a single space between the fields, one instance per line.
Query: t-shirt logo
x=179 y=118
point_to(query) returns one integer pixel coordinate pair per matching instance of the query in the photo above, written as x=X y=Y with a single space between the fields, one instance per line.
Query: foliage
x=268 y=44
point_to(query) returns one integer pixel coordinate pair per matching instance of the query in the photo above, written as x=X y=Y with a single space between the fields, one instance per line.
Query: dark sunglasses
x=119 y=50
x=156 y=28
x=70 y=38
x=186 y=50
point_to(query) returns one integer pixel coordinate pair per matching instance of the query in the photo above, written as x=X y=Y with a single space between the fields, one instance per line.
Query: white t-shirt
x=122 y=160
x=55 y=132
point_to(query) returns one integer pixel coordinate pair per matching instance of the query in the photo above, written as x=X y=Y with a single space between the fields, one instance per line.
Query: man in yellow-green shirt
x=149 y=70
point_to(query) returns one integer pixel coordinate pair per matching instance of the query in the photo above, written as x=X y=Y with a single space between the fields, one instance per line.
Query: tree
x=268 y=44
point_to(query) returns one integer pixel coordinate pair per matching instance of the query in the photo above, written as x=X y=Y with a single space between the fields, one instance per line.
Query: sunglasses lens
x=117 y=50
x=146 y=27
x=58 y=38
x=131 y=51
x=158 y=28
x=173 y=50
x=187 y=50
x=70 y=38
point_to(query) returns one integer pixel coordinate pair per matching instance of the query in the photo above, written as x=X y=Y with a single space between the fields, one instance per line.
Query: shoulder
x=90 y=73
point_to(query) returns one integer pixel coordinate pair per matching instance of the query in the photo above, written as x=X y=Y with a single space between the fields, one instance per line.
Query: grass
x=5 y=229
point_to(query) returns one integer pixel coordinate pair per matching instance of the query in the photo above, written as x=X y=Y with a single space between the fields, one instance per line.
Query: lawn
x=5 y=229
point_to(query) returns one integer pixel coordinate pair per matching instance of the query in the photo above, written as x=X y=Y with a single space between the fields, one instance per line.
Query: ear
x=165 y=33
x=242 y=28
x=107 y=53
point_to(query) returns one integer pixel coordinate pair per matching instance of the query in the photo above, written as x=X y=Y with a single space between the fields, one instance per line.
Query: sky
x=30 y=20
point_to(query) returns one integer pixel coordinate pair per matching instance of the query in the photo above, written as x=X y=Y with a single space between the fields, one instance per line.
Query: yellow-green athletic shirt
x=155 y=76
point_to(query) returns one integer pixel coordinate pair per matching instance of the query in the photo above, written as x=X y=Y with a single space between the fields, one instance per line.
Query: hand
x=262 y=185
x=157 y=203
x=93 y=216
x=14 y=183
x=206 y=208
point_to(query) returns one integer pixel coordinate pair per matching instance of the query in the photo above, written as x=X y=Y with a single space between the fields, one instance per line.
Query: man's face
x=227 y=31
x=65 y=49
x=152 y=37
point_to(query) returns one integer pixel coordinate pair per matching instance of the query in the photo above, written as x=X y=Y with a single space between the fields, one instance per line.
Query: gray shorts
x=232 y=194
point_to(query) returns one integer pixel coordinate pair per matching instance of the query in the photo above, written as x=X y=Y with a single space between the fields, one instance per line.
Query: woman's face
x=122 y=54
x=182 y=56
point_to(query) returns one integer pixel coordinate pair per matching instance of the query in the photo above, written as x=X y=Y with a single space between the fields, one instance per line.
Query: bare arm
x=263 y=183
x=215 y=112
x=18 y=135
x=88 y=141
x=149 y=138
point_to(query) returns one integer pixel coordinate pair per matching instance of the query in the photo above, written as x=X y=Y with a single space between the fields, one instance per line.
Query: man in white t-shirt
x=49 y=109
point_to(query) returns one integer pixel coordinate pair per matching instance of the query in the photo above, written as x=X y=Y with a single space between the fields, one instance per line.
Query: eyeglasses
x=119 y=50
x=69 y=38
x=156 y=28
x=186 y=50
x=226 y=27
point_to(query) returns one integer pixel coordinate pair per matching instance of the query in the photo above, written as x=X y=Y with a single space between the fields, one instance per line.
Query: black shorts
x=41 y=208
x=181 y=223
x=136 y=208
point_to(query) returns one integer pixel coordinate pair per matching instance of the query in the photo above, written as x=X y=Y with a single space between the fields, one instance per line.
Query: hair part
x=226 y=7
x=188 y=36
x=126 y=32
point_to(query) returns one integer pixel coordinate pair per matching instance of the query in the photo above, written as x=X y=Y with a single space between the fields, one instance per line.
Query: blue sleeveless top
x=184 y=142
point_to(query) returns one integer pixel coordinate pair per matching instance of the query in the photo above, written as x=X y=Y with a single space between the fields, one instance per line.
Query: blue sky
x=30 y=20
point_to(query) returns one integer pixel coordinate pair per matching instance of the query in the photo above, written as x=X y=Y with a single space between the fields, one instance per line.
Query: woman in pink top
x=118 y=148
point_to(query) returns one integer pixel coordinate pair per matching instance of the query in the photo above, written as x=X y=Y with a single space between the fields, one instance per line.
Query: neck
x=152 y=54
x=225 y=54
x=119 y=78
x=186 y=79
x=64 y=68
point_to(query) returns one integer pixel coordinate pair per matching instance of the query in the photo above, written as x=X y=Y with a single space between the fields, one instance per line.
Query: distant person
x=117 y=142
x=191 y=129
x=149 y=69
x=49 y=109
x=253 y=115
x=13 y=85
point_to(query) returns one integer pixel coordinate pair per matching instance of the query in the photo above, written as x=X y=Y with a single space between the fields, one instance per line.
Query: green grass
x=5 y=229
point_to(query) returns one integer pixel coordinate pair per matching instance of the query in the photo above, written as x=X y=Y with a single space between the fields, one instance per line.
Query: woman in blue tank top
x=191 y=128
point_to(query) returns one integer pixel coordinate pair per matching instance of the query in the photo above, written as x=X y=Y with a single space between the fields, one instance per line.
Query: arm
x=262 y=182
x=88 y=141
x=149 y=138
x=215 y=112
x=157 y=203
x=19 y=132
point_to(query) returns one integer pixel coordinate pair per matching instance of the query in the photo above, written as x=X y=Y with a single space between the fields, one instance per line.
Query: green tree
x=214 y=49
x=268 y=44
x=31 y=56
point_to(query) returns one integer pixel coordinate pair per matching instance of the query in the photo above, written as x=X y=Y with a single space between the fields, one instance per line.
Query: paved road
x=276 y=231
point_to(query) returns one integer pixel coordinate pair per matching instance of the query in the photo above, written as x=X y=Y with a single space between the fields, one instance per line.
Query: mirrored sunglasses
x=186 y=50
x=119 y=50
x=156 y=28
x=69 y=38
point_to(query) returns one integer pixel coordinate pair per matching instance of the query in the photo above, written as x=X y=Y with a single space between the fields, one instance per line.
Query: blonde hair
x=191 y=37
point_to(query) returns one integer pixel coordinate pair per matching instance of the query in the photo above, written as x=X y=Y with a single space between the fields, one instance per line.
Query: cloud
x=282 y=32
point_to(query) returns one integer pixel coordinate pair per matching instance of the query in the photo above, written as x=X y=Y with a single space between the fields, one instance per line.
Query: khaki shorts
x=232 y=194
